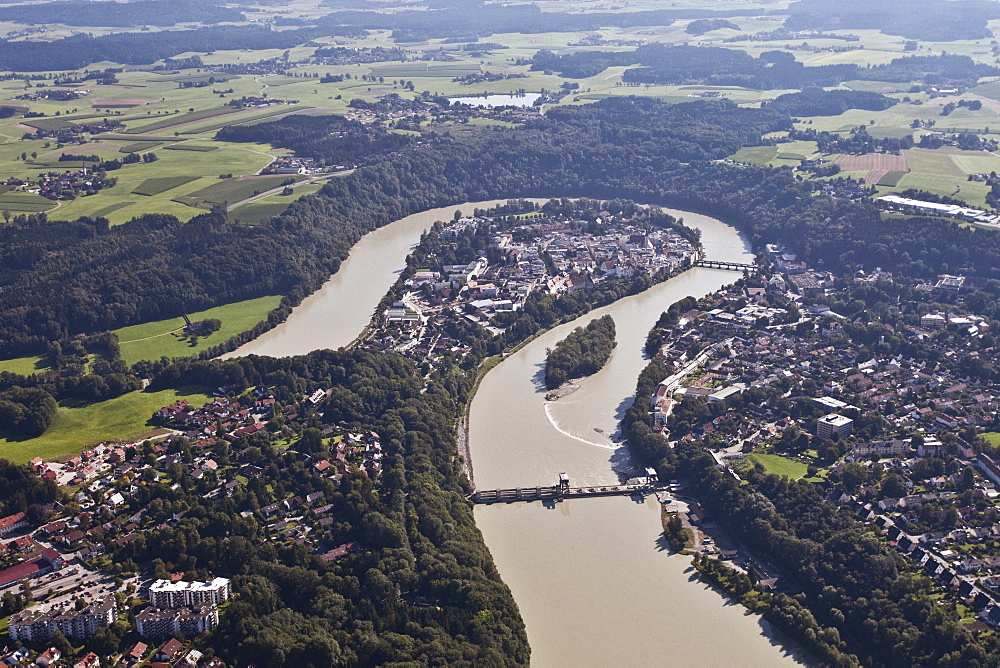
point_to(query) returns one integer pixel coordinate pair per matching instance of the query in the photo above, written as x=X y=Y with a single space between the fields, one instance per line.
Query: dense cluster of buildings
x=40 y=623
x=915 y=470
x=551 y=255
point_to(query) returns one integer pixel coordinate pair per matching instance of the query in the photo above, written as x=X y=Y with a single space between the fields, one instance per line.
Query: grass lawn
x=992 y=437
x=261 y=211
x=25 y=366
x=779 y=465
x=931 y=162
x=153 y=340
x=76 y=427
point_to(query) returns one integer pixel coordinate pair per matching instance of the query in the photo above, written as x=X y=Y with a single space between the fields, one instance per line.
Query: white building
x=834 y=423
x=35 y=624
x=156 y=623
x=166 y=594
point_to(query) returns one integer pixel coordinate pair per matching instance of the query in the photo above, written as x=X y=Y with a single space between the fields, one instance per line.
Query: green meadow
x=778 y=465
x=77 y=427
x=25 y=366
x=165 y=338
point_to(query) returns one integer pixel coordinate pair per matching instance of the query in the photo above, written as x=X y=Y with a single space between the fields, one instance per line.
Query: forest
x=144 y=48
x=582 y=353
x=819 y=102
x=22 y=490
x=702 y=26
x=621 y=147
x=330 y=140
x=149 y=12
x=937 y=20
x=709 y=65
x=478 y=19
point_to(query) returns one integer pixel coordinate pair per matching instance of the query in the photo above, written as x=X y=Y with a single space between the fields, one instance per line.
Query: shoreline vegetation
x=583 y=353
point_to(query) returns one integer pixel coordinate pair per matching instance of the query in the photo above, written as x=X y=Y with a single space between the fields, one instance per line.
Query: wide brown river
x=592 y=578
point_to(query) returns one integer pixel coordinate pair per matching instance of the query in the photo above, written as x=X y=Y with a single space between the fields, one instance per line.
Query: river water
x=334 y=315
x=592 y=578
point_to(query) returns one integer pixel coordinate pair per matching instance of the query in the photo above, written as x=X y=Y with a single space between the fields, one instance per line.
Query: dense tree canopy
x=935 y=20
x=583 y=353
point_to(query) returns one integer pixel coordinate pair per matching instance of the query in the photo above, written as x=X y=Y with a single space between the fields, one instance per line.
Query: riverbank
x=583 y=563
x=564 y=390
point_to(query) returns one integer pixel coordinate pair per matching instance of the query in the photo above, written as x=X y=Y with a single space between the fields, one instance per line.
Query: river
x=334 y=315
x=591 y=577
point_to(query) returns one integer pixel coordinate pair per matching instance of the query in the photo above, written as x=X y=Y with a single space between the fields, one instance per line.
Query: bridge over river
x=722 y=264
x=564 y=491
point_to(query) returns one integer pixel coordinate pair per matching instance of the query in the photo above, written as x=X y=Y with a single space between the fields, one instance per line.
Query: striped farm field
x=162 y=184
x=931 y=162
x=891 y=178
x=140 y=146
x=883 y=162
x=186 y=147
x=111 y=208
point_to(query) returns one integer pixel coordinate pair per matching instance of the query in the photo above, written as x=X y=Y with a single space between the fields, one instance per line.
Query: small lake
x=525 y=100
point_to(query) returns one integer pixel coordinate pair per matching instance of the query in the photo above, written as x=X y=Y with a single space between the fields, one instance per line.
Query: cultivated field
x=158 y=185
x=233 y=190
x=876 y=165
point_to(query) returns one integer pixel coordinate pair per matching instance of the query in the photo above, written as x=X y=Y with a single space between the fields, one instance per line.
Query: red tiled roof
x=21 y=571
x=10 y=520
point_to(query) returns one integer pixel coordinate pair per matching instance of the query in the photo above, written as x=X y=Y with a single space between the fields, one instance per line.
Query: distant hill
x=934 y=20
x=121 y=14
